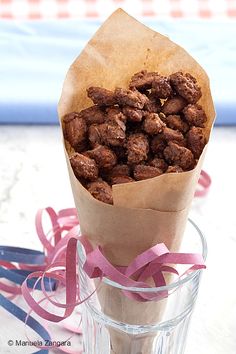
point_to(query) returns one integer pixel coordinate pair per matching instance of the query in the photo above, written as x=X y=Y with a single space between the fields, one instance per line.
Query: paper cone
x=146 y=212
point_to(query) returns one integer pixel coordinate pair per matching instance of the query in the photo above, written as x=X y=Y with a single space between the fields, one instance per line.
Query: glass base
x=100 y=339
x=115 y=324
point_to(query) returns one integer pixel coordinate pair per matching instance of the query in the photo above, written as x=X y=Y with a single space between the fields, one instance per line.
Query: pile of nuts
x=154 y=127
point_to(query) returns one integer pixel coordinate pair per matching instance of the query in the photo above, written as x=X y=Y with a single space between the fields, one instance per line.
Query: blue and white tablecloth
x=35 y=56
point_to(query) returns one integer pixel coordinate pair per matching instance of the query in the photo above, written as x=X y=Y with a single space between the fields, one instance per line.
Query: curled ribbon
x=151 y=263
x=61 y=266
x=31 y=270
x=32 y=266
x=204 y=183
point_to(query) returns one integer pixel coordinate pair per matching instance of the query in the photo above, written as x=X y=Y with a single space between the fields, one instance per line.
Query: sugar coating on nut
x=113 y=131
x=173 y=105
x=114 y=134
x=93 y=115
x=144 y=172
x=173 y=135
x=84 y=167
x=153 y=124
x=186 y=86
x=161 y=87
x=114 y=114
x=70 y=116
x=120 y=170
x=158 y=163
x=133 y=114
x=95 y=134
x=132 y=98
x=174 y=169
x=104 y=157
x=121 y=179
x=174 y=121
x=101 y=96
x=142 y=80
x=196 y=141
x=153 y=105
x=75 y=129
x=179 y=155
x=158 y=144
x=195 y=115
x=101 y=191
x=137 y=147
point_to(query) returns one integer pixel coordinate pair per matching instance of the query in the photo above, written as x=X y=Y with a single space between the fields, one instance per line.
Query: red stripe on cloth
x=34 y=16
x=93 y=8
x=177 y=13
x=147 y=8
x=92 y=14
x=204 y=13
x=148 y=13
x=231 y=8
x=64 y=14
x=90 y=11
x=62 y=9
x=231 y=12
x=34 y=1
x=63 y=1
x=7 y=16
x=5 y=2
x=204 y=10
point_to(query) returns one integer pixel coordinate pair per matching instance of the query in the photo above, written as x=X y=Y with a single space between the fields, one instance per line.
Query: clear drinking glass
x=114 y=324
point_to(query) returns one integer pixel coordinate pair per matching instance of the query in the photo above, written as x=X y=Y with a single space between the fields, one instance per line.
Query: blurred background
x=39 y=39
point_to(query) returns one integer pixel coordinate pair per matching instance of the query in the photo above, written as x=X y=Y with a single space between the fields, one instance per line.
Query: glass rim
x=180 y=281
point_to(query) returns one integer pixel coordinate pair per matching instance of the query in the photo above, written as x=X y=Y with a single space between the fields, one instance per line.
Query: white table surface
x=33 y=175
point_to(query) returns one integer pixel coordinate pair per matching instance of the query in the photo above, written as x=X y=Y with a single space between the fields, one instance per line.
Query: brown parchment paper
x=145 y=212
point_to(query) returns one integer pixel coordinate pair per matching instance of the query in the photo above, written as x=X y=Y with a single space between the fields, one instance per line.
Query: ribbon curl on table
x=57 y=265
x=204 y=183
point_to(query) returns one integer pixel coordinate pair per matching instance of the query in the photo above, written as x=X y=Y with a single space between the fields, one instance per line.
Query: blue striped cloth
x=35 y=56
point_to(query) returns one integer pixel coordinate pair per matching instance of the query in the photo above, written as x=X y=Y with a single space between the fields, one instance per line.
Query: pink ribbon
x=59 y=264
x=151 y=263
x=154 y=262
x=204 y=184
